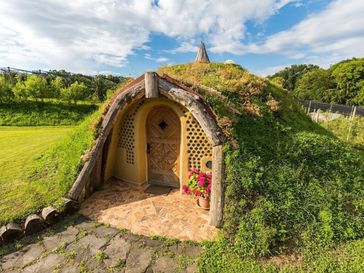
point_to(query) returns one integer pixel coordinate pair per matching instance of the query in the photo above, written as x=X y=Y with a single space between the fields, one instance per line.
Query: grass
x=20 y=147
x=289 y=183
x=340 y=128
x=344 y=258
x=48 y=113
x=38 y=165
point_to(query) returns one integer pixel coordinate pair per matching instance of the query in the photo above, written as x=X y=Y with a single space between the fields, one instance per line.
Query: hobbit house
x=154 y=132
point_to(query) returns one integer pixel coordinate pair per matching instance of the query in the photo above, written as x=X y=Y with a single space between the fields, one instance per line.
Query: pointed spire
x=202 y=56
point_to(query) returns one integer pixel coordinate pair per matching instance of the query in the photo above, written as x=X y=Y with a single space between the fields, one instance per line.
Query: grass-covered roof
x=290 y=184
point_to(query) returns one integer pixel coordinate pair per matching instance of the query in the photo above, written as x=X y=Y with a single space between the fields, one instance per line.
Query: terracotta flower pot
x=204 y=203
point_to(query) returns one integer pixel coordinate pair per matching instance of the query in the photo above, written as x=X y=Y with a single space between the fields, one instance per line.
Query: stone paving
x=78 y=244
x=174 y=215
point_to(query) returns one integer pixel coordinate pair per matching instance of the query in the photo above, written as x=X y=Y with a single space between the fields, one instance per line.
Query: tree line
x=61 y=85
x=342 y=83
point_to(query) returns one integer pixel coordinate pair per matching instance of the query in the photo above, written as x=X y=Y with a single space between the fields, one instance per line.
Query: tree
x=36 y=87
x=6 y=94
x=291 y=74
x=316 y=84
x=19 y=89
x=56 y=86
x=278 y=81
x=75 y=92
x=349 y=77
x=100 y=86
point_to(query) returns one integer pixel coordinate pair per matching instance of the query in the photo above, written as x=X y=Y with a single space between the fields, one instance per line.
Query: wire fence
x=350 y=129
x=346 y=110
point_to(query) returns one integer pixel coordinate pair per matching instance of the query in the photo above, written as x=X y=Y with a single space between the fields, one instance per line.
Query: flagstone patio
x=174 y=215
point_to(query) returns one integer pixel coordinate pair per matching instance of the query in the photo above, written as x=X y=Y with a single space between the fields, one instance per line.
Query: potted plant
x=199 y=185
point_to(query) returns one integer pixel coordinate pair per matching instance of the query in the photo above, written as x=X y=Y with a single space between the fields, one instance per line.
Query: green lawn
x=20 y=146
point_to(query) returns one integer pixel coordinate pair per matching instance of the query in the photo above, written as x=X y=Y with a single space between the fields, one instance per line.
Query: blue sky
x=131 y=36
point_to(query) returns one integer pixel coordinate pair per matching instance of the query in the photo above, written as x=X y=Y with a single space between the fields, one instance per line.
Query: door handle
x=148 y=148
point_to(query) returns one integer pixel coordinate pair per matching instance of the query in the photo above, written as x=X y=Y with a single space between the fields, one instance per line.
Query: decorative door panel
x=163 y=144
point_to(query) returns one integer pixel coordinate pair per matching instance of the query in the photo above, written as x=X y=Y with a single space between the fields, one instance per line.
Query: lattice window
x=127 y=133
x=198 y=144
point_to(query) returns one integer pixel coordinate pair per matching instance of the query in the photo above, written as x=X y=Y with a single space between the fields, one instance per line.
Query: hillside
x=290 y=184
x=33 y=113
x=292 y=189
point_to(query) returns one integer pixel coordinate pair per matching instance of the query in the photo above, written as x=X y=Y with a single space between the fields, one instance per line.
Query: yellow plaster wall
x=137 y=173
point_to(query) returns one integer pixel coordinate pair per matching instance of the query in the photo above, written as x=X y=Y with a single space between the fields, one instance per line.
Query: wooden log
x=197 y=109
x=11 y=232
x=123 y=99
x=217 y=192
x=50 y=215
x=33 y=224
x=70 y=206
x=104 y=158
x=151 y=85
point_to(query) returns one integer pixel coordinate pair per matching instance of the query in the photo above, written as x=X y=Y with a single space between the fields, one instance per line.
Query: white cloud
x=87 y=35
x=184 y=47
x=77 y=35
x=158 y=60
x=83 y=35
x=229 y=61
x=271 y=70
x=338 y=29
x=162 y=60
x=148 y=56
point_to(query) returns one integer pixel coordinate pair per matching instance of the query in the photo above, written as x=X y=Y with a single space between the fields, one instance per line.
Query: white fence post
x=351 y=123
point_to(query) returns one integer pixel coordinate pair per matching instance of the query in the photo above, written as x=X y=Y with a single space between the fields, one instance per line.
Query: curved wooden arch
x=151 y=86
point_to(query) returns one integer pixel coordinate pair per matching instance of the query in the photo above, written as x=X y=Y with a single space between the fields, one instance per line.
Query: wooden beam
x=196 y=107
x=151 y=85
x=134 y=92
x=217 y=191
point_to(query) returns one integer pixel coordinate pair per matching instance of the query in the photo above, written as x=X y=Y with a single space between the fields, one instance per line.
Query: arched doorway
x=163 y=147
x=130 y=164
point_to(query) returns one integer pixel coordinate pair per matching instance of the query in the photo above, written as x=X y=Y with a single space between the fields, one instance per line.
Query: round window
x=209 y=164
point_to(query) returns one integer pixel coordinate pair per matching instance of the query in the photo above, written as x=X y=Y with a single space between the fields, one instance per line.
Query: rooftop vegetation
x=291 y=186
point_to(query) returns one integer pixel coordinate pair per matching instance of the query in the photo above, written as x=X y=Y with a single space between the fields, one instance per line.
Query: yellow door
x=163 y=141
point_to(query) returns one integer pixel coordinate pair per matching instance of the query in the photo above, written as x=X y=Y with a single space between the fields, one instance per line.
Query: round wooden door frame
x=151 y=85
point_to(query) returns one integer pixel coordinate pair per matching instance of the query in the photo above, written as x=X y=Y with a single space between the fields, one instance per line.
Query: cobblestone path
x=77 y=244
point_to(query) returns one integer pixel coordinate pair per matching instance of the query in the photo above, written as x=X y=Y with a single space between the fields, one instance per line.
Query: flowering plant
x=199 y=184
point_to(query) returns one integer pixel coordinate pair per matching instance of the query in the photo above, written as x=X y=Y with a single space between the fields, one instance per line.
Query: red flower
x=197 y=192
x=201 y=179
x=201 y=183
x=186 y=189
x=192 y=172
